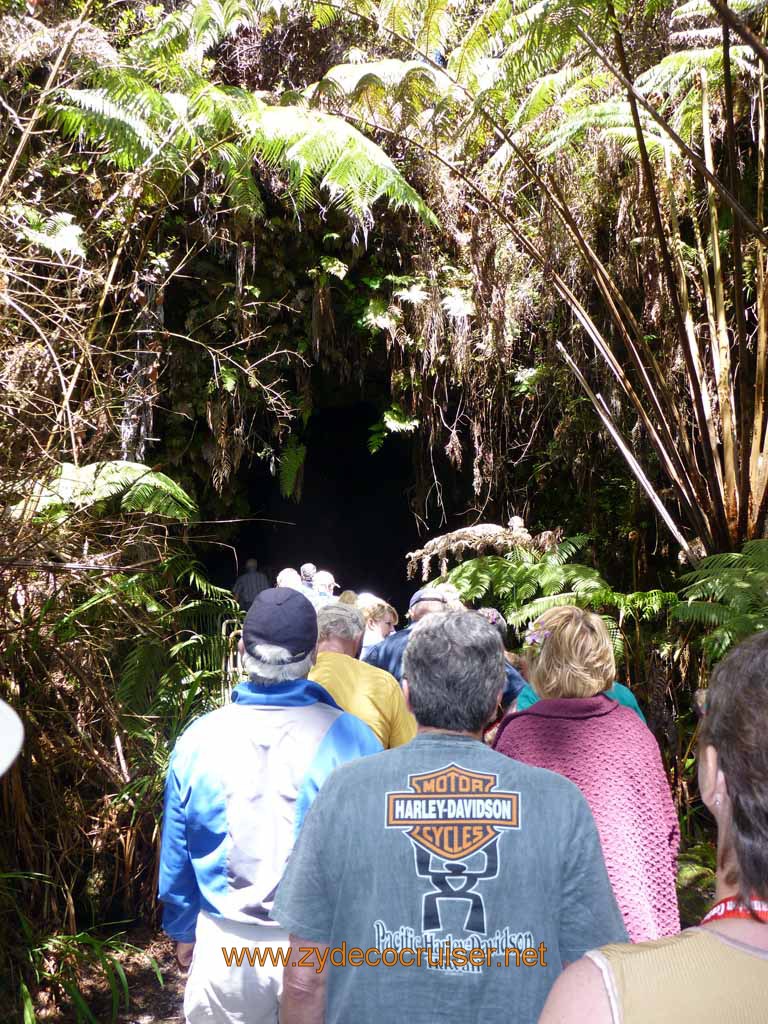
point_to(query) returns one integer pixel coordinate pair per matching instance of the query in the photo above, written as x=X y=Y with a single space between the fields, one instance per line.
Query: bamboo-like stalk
x=651 y=375
x=743 y=419
x=696 y=515
x=601 y=408
x=758 y=474
x=706 y=286
x=720 y=511
x=721 y=350
x=685 y=304
x=642 y=357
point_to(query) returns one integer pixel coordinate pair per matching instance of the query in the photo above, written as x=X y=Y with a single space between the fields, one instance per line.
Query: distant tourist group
x=317 y=587
x=419 y=825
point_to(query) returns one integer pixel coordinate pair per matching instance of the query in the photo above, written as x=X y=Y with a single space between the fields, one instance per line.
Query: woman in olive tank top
x=718 y=971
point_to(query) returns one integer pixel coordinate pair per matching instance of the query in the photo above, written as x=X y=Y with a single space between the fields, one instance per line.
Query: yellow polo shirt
x=368 y=692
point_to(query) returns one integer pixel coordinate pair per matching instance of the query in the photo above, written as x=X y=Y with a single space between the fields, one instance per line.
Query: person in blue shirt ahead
x=240 y=781
x=388 y=654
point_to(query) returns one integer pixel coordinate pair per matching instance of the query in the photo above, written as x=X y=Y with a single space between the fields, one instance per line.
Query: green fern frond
x=477 y=576
x=317 y=148
x=291 y=469
x=755 y=555
x=396 y=16
x=483 y=40
x=367 y=86
x=139 y=488
x=321 y=155
x=677 y=78
x=568 y=547
x=196 y=29
x=531 y=611
x=608 y=115
x=436 y=25
x=91 y=114
x=543 y=94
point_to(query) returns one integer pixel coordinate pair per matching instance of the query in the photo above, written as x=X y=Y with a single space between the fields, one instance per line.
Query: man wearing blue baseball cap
x=388 y=654
x=240 y=781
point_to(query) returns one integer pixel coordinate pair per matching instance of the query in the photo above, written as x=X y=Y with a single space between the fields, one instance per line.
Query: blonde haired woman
x=718 y=971
x=380 y=620
x=602 y=746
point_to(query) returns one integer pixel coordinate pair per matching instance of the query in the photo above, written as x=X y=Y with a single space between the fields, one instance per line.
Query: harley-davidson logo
x=453 y=812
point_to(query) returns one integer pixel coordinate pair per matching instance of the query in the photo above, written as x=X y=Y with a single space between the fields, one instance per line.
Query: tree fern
x=727 y=595
x=484 y=39
x=194 y=29
x=136 y=487
x=526 y=583
x=324 y=159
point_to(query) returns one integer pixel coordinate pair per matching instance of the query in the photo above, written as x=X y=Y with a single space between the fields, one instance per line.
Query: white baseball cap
x=11 y=736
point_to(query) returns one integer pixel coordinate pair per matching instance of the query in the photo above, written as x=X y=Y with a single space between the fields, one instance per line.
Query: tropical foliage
x=520 y=92
x=727 y=595
x=527 y=582
x=529 y=235
x=113 y=642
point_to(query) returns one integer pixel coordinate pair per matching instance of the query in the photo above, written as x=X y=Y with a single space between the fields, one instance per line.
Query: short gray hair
x=454 y=664
x=341 y=620
x=268 y=663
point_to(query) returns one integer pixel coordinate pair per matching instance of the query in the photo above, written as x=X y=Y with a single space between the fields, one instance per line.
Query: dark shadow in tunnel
x=353 y=518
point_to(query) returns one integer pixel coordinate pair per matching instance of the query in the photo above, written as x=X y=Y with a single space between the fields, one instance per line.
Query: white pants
x=218 y=994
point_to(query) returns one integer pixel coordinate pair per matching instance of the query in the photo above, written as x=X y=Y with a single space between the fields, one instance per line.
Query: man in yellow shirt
x=368 y=692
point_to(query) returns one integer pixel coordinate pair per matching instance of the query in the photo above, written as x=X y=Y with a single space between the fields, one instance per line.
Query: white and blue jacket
x=240 y=781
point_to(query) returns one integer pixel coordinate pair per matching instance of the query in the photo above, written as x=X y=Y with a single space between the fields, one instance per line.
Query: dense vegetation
x=532 y=233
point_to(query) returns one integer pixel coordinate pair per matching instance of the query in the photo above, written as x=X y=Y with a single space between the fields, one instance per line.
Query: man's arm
x=303 y=998
x=178 y=887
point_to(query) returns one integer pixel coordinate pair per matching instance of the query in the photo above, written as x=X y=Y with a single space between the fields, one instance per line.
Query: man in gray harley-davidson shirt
x=452 y=881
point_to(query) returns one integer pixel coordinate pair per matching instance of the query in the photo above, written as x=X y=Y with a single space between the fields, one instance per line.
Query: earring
x=717 y=801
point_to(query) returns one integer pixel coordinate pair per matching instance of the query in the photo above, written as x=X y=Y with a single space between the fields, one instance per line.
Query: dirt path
x=150 y=1002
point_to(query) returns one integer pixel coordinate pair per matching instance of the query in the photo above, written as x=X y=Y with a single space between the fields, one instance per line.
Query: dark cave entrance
x=353 y=519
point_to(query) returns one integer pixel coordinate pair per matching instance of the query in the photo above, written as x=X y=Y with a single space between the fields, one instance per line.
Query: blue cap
x=283 y=617
x=427 y=594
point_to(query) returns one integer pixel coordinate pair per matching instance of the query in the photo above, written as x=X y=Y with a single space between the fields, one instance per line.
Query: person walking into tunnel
x=439 y=851
x=324 y=585
x=249 y=584
x=370 y=693
x=718 y=971
x=388 y=654
x=307 y=574
x=291 y=579
x=380 y=620
x=239 y=783
x=602 y=746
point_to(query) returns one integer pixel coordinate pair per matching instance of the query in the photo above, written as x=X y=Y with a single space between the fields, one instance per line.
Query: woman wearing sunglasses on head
x=719 y=970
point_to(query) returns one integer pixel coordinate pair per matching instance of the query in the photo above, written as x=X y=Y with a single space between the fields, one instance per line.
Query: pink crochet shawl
x=614 y=760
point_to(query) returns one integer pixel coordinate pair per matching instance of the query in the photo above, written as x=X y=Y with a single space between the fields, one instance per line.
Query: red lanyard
x=735 y=908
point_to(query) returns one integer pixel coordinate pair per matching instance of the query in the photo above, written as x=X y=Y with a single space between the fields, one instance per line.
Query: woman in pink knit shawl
x=612 y=757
